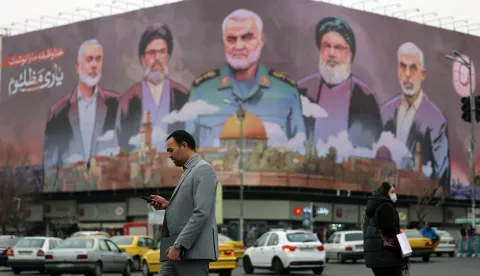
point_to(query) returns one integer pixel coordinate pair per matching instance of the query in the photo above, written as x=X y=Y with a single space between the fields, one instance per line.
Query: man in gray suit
x=190 y=212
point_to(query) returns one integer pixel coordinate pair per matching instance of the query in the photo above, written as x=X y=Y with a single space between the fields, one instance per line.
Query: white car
x=29 y=253
x=446 y=245
x=345 y=245
x=283 y=251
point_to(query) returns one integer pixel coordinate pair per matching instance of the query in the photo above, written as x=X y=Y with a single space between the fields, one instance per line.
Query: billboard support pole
x=241 y=116
x=472 y=142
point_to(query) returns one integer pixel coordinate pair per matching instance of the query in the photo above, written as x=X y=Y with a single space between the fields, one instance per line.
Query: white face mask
x=393 y=197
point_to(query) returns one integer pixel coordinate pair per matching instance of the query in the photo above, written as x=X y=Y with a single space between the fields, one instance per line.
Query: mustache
x=239 y=52
x=332 y=60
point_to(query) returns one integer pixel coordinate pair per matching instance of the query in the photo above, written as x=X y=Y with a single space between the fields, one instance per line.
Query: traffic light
x=307 y=219
x=298 y=211
x=477 y=108
x=314 y=211
x=467 y=109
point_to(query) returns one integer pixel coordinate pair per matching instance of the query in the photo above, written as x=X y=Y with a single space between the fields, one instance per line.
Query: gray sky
x=32 y=10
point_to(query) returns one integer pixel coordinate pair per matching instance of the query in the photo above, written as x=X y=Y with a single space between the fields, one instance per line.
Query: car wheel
x=97 y=271
x=318 y=271
x=341 y=258
x=136 y=263
x=247 y=265
x=16 y=271
x=225 y=272
x=127 y=270
x=326 y=260
x=55 y=274
x=146 y=270
x=278 y=267
x=451 y=254
x=426 y=258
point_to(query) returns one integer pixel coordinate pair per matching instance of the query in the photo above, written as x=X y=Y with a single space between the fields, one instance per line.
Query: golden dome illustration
x=253 y=128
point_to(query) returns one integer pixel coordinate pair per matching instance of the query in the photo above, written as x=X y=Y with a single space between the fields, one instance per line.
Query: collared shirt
x=87 y=109
x=188 y=164
x=156 y=91
x=405 y=117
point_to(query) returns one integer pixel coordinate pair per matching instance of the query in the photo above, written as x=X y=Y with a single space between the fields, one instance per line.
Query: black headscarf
x=382 y=190
x=379 y=196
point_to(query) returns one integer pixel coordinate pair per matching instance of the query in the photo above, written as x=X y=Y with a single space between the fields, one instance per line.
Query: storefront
x=60 y=217
x=433 y=215
x=34 y=220
x=108 y=217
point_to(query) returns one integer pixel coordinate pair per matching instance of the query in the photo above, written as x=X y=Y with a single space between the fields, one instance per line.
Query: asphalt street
x=442 y=266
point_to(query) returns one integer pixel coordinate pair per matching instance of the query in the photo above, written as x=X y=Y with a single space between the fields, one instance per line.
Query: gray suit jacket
x=191 y=211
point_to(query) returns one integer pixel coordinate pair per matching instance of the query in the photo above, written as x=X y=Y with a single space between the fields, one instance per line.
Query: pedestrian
x=190 y=212
x=429 y=233
x=381 y=225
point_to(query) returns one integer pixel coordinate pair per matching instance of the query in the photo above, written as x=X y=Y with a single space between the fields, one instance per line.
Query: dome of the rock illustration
x=383 y=154
x=253 y=128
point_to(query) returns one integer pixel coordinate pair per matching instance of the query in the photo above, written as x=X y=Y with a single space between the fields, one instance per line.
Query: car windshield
x=224 y=239
x=30 y=243
x=413 y=234
x=81 y=243
x=301 y=237
x=122 y=240
x=443 y=234
x=354 y=237
x=8 y=242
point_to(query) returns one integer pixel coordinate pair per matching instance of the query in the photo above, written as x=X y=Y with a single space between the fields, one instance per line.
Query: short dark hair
x=155 y=31
x=181 y=136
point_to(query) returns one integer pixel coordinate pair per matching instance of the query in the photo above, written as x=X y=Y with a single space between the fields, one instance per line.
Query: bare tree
x=429 y=195
x=13 y=187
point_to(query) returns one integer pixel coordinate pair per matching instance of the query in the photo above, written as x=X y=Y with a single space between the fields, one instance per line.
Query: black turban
x=155 y=31
x=335 y=24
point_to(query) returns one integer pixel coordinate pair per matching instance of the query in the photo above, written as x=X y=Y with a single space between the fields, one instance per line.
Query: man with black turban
x=155 y=93
x=351 y=105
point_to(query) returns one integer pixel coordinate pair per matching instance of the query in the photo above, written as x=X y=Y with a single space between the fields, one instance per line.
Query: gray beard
x=334 y=75
x=154 y=77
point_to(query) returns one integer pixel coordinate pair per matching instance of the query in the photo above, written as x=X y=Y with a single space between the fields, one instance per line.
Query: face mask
x=393 y=197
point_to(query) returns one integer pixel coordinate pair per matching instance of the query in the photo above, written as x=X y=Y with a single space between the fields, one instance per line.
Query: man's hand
x=162 y=202
x=173 y=253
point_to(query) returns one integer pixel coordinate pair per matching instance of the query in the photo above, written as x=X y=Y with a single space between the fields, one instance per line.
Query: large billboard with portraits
x=321 y=96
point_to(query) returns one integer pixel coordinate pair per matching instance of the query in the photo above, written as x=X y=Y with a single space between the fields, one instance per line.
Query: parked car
x=135 y=246
x=90 y=234
x=6 y=245
x=88 y=255
x=283 y=251
x=421 y=246
x=345 y=245
x=29 y=253
x=446 y=245
x=224 y=266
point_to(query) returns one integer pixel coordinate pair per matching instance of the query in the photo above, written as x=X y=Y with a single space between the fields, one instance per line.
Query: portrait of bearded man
x=351 y=105
x=155 y=92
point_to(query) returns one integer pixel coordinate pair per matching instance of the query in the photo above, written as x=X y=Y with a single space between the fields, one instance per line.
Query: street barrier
x=468 y=247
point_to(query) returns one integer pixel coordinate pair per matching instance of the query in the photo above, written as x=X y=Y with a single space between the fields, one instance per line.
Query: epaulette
x=206 y=76
x=282 y=76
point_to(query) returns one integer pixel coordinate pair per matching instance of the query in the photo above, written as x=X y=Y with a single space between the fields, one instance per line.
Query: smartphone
x=149 y=200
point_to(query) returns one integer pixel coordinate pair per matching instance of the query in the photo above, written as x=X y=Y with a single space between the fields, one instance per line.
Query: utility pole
x=312 y=216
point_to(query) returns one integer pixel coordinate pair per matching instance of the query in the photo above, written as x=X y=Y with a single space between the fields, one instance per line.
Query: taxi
x=421 y=246
x=223 y=266
x=135 y=246
x=238 y=246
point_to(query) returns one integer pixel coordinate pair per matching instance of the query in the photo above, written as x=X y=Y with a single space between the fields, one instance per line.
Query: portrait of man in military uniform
x=156 y=92
x=351 y=105
x=269 y=94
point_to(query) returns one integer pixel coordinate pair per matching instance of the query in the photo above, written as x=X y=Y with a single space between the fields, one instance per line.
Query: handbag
x=388 y=242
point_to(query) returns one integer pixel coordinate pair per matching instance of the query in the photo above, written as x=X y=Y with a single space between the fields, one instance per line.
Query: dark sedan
x=6 y=245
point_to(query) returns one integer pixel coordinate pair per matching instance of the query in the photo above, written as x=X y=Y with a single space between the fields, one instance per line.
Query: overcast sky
x=20 y=10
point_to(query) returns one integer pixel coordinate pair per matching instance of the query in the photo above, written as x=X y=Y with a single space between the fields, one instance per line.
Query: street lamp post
x=90 y=11
x=241 y=117
x=363 y=2
x=72 y=15
x=456 y=56
x=423 y=15
x=126 y=3
x=405 y=12
x=385 y=7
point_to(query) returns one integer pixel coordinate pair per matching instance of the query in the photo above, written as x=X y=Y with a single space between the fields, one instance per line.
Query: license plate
x=64 y=265
x=25 y=252
x=306 y=249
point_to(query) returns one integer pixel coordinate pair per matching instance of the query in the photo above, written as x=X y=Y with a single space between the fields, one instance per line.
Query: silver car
x=89 y=256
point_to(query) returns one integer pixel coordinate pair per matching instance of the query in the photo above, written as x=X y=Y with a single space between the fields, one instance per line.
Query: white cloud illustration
x=74 y=158
x=107 y=136
x=111 y=151
x=312 y=110
x=190 y=111
x=345 y=148
x=278 y=138
x=158 y=139
x=427 y=169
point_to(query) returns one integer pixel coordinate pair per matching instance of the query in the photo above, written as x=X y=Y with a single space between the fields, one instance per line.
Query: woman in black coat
x=381 y=214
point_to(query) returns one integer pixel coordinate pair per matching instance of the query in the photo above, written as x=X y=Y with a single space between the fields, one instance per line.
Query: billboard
x=334 y=98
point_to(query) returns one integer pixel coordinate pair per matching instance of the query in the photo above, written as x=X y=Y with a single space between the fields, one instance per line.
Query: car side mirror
x=122 y=250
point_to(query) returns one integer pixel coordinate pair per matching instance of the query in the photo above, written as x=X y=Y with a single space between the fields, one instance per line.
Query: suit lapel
x=184 y=175
x=75 y=124
x=100 y=115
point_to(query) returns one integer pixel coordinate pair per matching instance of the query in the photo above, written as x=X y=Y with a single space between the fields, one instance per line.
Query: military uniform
x=272 y=96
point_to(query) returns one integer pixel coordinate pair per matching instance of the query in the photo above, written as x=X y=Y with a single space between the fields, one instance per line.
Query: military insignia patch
x=264 y=81
x=283 y=77
x=206 y=76
x=225 y=81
